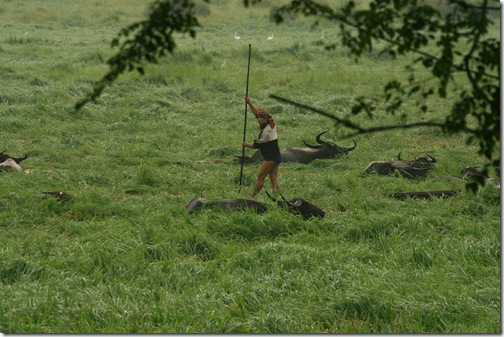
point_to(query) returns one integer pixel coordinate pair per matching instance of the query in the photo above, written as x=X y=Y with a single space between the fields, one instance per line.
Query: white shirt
x=267 y=135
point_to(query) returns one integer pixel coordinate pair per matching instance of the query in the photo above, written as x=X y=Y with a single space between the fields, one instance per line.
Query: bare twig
x=360 y=130
x=321 y=112
x=464 y=4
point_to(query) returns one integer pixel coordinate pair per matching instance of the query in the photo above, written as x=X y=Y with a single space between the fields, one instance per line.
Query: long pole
x=245 y=118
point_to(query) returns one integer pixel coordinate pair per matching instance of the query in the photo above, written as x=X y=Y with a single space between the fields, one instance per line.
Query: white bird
x=270 y=37
x=236 y=36
x=223 y=65
x=322 y=36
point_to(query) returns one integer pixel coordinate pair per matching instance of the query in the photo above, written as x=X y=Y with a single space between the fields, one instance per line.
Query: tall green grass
x=124 y=256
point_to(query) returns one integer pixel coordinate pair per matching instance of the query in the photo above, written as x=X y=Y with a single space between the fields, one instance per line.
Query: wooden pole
x=245 y=118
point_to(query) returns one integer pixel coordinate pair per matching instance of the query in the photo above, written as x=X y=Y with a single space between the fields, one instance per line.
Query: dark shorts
x=278 y=160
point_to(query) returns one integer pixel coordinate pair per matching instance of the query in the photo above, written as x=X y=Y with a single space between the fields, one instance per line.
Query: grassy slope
x=124 y=256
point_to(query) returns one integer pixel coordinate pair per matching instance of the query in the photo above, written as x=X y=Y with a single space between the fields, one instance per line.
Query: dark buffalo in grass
x=7 y=162
x=298 y=206
x=305 y=155
x=5 y=156
x=234 y=204
x=412 y=169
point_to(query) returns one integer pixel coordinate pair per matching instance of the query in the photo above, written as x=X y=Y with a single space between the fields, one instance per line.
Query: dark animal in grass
x=7 y=162
x=412 y=169
x=5 y=156
x=218 y=203
x=422 y=162
x=59 y=195
x=473 y=173
x=305 y=155
x=299 y=206
x=424 y=195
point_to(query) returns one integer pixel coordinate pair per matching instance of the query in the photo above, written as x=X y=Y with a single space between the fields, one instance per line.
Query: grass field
x=124 y=256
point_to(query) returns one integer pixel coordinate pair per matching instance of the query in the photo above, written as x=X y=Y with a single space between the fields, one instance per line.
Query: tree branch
x=360 y=130
x=466 y=5
x=321 y=112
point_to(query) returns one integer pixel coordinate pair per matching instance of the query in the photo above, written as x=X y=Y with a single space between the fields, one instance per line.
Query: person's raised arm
x=252 y=107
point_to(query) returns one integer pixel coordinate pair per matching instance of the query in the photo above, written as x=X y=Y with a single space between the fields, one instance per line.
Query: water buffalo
x=299 y=206
x=10 y=164
x=417 y=168
x=4 y=157
x=473 y=173
x=235 y=204
x=304 y=155
x=422 y=162
x=470 y=172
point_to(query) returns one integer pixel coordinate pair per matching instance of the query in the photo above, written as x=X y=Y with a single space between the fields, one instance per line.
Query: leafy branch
x=146 y=41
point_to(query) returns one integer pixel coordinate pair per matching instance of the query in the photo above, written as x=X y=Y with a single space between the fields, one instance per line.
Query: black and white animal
x=4 y=156
x=10 y=164
x=299 y=206
x=7 y=162
x=305 y=155
x=412 y=169
x=235 y=204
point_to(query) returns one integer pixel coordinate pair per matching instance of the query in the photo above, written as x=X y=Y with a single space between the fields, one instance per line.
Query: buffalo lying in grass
x=412 y=169
x=5 y=156
x=7 y=162
x=10 y=164
x=298 y=206
x=304 y=155
x=473 y=173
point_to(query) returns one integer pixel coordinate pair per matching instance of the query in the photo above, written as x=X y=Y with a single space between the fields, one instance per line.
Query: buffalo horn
x=18 y=160
x=320 y=141
x=285 y=200
x=433 y=159
x=312 y=146
x=269 y=196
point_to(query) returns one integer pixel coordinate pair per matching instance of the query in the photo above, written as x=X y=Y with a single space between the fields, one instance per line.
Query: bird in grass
x=223 y=65
x=60 y=195
x=270 y=37
x=236 y=36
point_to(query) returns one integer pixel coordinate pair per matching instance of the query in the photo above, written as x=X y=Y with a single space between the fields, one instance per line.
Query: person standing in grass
x=267 y=143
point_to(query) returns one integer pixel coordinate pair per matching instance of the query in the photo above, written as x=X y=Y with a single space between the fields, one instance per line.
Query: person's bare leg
x=274 y=178
x=265 y=169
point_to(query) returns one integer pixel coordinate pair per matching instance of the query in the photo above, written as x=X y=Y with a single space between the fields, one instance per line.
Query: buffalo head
x=420 y=163
x=331 y=149
x=299 y=206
